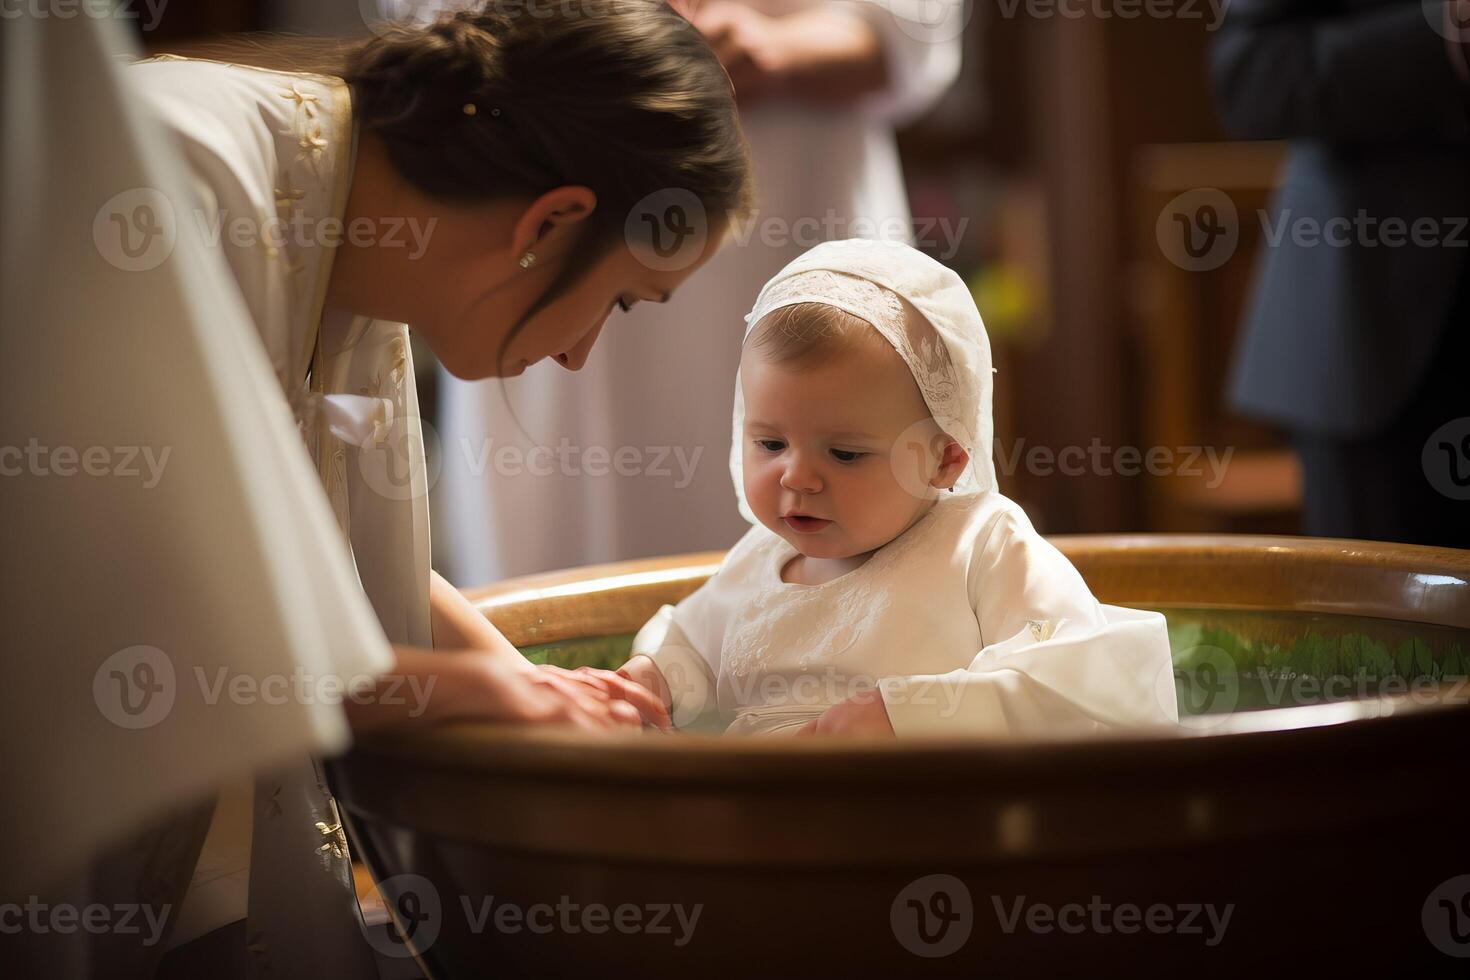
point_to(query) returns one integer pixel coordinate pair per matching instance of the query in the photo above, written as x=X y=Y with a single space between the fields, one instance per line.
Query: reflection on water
x=1242 y=660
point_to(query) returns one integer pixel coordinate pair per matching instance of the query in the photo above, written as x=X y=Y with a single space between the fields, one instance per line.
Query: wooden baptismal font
x=1308 y=811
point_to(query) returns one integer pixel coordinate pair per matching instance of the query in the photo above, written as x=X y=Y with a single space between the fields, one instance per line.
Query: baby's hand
x=861 y=714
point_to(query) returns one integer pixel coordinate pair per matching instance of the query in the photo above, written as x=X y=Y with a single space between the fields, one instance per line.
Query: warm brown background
x=1061 y=143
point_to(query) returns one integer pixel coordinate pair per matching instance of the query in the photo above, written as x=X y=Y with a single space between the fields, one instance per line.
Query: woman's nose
x=573 y=358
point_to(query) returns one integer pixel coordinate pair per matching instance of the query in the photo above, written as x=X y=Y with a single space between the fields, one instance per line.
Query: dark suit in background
x=1359 y=349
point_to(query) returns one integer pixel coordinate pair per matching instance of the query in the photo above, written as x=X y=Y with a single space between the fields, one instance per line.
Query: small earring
x=528 y=260
x=951 y=489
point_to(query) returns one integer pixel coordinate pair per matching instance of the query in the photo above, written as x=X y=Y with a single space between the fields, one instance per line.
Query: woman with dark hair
x=212 y=263
x=486 y=171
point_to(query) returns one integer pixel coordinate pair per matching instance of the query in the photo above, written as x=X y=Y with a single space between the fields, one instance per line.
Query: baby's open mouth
x=804 y=523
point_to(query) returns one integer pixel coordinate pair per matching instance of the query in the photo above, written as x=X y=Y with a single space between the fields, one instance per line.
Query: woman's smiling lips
x=804 y=524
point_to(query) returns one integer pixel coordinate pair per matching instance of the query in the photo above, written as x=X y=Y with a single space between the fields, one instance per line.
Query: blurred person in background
x=821 y=86
x=1357 y=337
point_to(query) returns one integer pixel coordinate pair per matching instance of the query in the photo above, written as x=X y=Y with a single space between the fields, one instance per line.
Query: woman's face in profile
x=464 y=298
x=463 y=290
x=566 y=328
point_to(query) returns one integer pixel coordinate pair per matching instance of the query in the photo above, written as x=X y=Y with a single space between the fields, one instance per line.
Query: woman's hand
x=638 y=682
x=430 y=686
x=861 y=714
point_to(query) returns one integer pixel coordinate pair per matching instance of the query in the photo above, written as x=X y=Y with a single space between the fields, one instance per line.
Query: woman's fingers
x=588 y=705
x=624 y=713
x=587 y=699
x=532 y=695
x=562 y=675
x=649 y=705
x=590 y=700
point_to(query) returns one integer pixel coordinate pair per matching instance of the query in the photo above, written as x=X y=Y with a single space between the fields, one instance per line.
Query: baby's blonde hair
x=808 y=334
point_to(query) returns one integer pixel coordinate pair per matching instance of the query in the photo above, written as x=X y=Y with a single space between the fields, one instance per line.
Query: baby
x=886 y=586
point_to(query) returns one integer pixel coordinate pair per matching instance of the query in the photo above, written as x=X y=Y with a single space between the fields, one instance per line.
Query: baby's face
x=818 y=444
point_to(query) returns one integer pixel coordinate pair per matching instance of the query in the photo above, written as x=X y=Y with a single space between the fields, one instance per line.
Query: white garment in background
x=127 y=598
x=657 y=386
x=969 y=623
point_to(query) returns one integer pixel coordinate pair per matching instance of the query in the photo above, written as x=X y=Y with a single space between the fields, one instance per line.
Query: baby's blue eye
x=771 y=445
x=847 y=455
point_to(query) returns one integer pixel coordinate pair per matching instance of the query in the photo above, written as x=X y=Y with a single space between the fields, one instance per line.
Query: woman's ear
x=951 y=466
x=558 y=209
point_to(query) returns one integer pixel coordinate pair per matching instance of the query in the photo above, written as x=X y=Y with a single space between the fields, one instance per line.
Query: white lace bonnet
x=920 y=307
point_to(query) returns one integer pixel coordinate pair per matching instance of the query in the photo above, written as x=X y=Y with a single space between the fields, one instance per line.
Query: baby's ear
x=951 y=466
